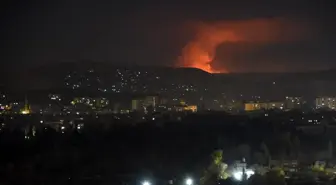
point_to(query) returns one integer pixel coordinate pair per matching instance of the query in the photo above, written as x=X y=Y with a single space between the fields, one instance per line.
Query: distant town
x=138 y=94
x=155 y=116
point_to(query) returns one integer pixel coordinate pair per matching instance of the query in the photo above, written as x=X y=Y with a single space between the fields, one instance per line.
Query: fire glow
x=200 y=52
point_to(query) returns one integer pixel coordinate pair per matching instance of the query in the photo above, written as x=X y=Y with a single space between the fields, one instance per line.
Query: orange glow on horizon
x=200 y=52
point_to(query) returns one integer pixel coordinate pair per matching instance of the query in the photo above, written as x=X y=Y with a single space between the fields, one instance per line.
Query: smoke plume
x=200 y=52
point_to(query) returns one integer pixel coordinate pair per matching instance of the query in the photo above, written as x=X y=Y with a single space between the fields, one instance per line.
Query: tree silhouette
x=275 y=178
x=216 y=169
x=296 y=147
x=267 y=154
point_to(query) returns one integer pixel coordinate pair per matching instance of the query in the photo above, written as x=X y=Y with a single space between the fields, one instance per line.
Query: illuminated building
x=151 y=101
x=188 y=108
x=192 y=108
x=252 y=106
x=293 y=102
x=142 y=104
x=137 y=105
x=100 y=102
x=325 y=102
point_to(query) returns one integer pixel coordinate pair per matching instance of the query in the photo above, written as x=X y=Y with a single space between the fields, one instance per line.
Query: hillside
x=155 y=79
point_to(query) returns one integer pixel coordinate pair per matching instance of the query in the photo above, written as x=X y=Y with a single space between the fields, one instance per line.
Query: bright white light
x=146 y=183
x=249 y=173
x=189 y=181
x=238 y=175
x=25 y=112
x=62 y=127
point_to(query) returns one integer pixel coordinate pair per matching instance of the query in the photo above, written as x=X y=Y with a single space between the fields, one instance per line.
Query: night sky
x=144 y=33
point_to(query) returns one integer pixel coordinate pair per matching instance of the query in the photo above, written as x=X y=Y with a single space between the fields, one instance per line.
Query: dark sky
x=147 y=33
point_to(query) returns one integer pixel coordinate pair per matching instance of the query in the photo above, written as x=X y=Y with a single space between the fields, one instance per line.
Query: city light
x=238 y=175
x=146 y=183
x=189 y=181
x=249 y=173
x=25 y=112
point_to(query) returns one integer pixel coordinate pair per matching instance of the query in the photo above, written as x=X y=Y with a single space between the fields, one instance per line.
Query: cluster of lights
x=188 y=181
x=75 y=80
x=126 y=80
x=55 y=97
x=182 y=87
x=238 y=175
x=98 y=102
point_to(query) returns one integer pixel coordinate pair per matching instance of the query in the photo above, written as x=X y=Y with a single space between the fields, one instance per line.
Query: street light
x=189 y=181
x=238 y=175
x=146 y=183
